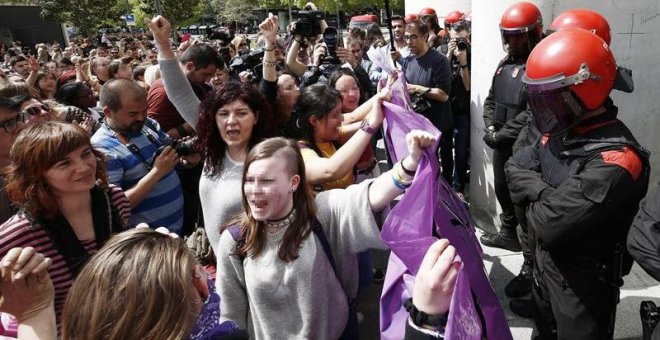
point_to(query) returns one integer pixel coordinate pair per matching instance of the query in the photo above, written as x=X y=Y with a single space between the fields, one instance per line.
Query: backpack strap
x=318 y=231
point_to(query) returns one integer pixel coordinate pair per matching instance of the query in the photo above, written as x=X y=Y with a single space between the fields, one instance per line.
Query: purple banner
x=430 y=203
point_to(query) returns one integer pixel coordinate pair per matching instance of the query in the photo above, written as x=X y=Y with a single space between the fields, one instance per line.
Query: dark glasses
x=35 y=110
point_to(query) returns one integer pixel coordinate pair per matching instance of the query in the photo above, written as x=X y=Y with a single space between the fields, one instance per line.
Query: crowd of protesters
x=254 y=161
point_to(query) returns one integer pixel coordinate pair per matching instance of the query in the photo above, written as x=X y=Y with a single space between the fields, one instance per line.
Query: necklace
x=274 y=226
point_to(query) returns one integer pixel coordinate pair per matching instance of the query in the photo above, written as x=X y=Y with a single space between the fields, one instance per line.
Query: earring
x=293 y=189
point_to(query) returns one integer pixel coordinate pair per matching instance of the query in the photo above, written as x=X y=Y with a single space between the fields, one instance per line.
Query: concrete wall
x=635 y=26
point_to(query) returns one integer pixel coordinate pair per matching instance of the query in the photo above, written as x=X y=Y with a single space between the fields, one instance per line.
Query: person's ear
x=313 y=121
x=295 y=182
x=107 y=112
x=200 y=283
x=190 y=66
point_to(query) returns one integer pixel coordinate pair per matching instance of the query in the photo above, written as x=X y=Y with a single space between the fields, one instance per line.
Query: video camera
x=307 y=23
x=251 y=62
x=331 y=38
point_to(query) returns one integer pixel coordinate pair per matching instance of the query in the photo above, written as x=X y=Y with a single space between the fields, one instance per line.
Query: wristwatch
x=367 y=128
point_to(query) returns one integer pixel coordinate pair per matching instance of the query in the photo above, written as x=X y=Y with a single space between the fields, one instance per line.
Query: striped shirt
x=163 y=206
x=19 y=232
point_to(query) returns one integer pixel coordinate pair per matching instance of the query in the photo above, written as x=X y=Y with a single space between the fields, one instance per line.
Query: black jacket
x=644 y=235
x=581 y=190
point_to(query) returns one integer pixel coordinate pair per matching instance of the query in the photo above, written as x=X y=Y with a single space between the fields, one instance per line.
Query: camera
x=182 y=147
x=308 y=23
x=462 y=44
x=331 y=39
x=248 y=62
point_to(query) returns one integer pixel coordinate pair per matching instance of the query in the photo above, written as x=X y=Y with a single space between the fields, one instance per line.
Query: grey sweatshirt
x=301 y=299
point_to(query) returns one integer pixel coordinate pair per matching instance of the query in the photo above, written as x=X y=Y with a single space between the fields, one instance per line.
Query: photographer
x=129 y=141
x=458 y=53
x=328 y=57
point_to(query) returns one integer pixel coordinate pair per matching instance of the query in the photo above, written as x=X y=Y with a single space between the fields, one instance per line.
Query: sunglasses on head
x=35 y=110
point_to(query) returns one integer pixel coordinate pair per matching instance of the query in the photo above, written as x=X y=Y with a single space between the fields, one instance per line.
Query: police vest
x=509 y=93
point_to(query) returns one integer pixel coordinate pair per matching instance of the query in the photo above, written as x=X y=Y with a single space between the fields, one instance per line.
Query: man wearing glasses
x=11 y=123
x=429 y=76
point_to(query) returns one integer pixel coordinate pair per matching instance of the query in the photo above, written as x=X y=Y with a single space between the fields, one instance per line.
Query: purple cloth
x=208 y=324
x=408 y=231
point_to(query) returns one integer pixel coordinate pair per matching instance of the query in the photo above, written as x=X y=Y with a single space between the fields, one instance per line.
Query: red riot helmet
x=427 y=11
x=570 y=72
x=585 y=19
x=453 y=18
x=522 y=28
x=411 y=17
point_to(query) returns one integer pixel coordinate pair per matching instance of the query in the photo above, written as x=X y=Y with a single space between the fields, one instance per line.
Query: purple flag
x=408 y=231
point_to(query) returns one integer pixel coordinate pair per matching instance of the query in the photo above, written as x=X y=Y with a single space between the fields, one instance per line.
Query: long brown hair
x=138 y=286
x=37 y=149
x=253 y=231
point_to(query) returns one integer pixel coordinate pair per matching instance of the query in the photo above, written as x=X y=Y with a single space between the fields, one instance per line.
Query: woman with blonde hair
x=143 y=284
x=67 y=209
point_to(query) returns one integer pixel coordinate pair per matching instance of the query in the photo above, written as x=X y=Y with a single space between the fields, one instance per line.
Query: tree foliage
x=333 y=5
x=234 y=10
x=176 y=11
x=86 y=15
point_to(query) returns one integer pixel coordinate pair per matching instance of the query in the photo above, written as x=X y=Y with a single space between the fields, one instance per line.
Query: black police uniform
x=582 y=190
x=506 y=100
x=644 y=246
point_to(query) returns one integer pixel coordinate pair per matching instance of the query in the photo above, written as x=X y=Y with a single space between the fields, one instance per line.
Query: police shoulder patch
x=626 y=158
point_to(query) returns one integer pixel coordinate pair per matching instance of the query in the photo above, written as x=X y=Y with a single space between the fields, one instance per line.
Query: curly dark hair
x=209 y=142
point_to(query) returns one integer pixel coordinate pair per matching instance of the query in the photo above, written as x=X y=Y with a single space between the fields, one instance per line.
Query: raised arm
x=392 y=183
x=177 y=87
x=322 y=170
x=269 y=31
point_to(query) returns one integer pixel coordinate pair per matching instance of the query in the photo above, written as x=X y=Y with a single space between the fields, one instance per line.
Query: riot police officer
x=522 y=28
x=573 y=18
x=581 y=184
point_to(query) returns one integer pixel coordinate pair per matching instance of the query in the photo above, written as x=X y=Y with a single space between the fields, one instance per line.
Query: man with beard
x=130 y=142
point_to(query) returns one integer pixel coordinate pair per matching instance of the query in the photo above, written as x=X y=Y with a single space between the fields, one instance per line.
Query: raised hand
x=434 y=284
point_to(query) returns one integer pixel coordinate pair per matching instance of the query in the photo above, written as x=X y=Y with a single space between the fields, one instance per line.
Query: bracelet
x=408 y=172
x=398 y=184
x=270 y=49
x=399 y=174
x=270 y=63
x=419 y=318
x=366 y=127
x=341 y=131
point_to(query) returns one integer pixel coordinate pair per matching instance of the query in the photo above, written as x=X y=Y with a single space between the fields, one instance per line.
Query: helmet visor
x=554 y=111
x=518 y=43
